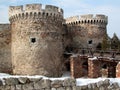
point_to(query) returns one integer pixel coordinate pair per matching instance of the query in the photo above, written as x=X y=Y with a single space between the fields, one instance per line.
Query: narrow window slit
x=33 y=40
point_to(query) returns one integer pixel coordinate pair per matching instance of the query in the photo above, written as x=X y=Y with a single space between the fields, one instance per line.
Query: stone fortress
x=36 y=39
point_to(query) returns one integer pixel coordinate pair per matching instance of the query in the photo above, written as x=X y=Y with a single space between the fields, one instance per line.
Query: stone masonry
x=5 y=49
x=36 y=38
x=25 y=83
x=86 y=30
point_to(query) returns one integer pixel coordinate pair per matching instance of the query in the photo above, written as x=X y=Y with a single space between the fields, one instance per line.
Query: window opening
x=90 y=42
x=33 y=40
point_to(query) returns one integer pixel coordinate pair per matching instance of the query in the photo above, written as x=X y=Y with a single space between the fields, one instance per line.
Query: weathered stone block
x=44 y=83
x=28 y=86
x=101 y=88
x=6 y=87
x=92 y=86
x=56 y=83
x=114 y=86
x=11 y=81
x=1 y=83
x=13 y=87
x=35 y=79
x=85 y=87
x=53 y=89
x=69 y=82
x=22 y=80
x=2 y=87
x=18 y=87
x=68 y=88
x=47 y=89
x=61 y=88
x=77 y=88
x=100 y=83
x=106 y=82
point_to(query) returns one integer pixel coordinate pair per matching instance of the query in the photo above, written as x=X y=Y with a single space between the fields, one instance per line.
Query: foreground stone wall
x=5 y=49
x=24 y=83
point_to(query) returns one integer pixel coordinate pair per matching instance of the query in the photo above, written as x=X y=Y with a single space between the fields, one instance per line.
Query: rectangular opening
x=33 y=40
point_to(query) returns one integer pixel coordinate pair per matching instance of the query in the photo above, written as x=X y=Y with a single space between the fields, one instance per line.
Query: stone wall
x=5 y=49
x=4 y=27
x=24 y=83
x=86 y=30
x=37 y=46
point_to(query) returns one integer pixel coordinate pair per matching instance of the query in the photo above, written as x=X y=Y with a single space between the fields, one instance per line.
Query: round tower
x=36 y=39
x=87 y=31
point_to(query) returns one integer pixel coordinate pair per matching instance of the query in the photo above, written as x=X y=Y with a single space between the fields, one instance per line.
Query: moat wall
x=24 y=83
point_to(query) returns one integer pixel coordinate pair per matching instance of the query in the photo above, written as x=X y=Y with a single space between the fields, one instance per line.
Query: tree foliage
x=115 y=42
x=105 y=43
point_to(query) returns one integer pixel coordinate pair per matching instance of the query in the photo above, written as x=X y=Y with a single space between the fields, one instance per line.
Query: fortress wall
x=4 y=27
x=87 y=28
x=36 y=40
x=5 y=50
x=89 y=18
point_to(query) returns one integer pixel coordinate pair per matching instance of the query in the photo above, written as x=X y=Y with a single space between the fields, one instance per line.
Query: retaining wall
x=24 y=83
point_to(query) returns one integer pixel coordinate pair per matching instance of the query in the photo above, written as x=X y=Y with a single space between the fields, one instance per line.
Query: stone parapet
x=90 y=18
x=33 y=10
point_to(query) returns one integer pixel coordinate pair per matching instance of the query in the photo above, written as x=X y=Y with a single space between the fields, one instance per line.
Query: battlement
x=90 y=18
x=49 y=10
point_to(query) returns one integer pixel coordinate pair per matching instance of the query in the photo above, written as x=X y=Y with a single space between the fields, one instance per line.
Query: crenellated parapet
x=32 y=10
x=90 y=19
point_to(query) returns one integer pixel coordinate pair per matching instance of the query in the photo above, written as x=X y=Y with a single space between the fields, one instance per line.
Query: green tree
x=105 y=43
x=115 y=42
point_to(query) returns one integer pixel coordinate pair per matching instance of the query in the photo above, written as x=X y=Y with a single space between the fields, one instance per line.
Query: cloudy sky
x=111 y=8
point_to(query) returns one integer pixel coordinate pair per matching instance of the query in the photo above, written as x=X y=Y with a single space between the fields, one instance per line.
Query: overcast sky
x=111 y=8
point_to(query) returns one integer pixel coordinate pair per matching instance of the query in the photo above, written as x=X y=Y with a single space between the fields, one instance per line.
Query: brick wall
x=83 y=66
x=79 y=66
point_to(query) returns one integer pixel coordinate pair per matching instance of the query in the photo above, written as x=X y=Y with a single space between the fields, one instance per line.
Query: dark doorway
x=85 y=69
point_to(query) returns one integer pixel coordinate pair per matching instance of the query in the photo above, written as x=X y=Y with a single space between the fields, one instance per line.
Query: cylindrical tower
x=87 y=30
x=36 y=39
